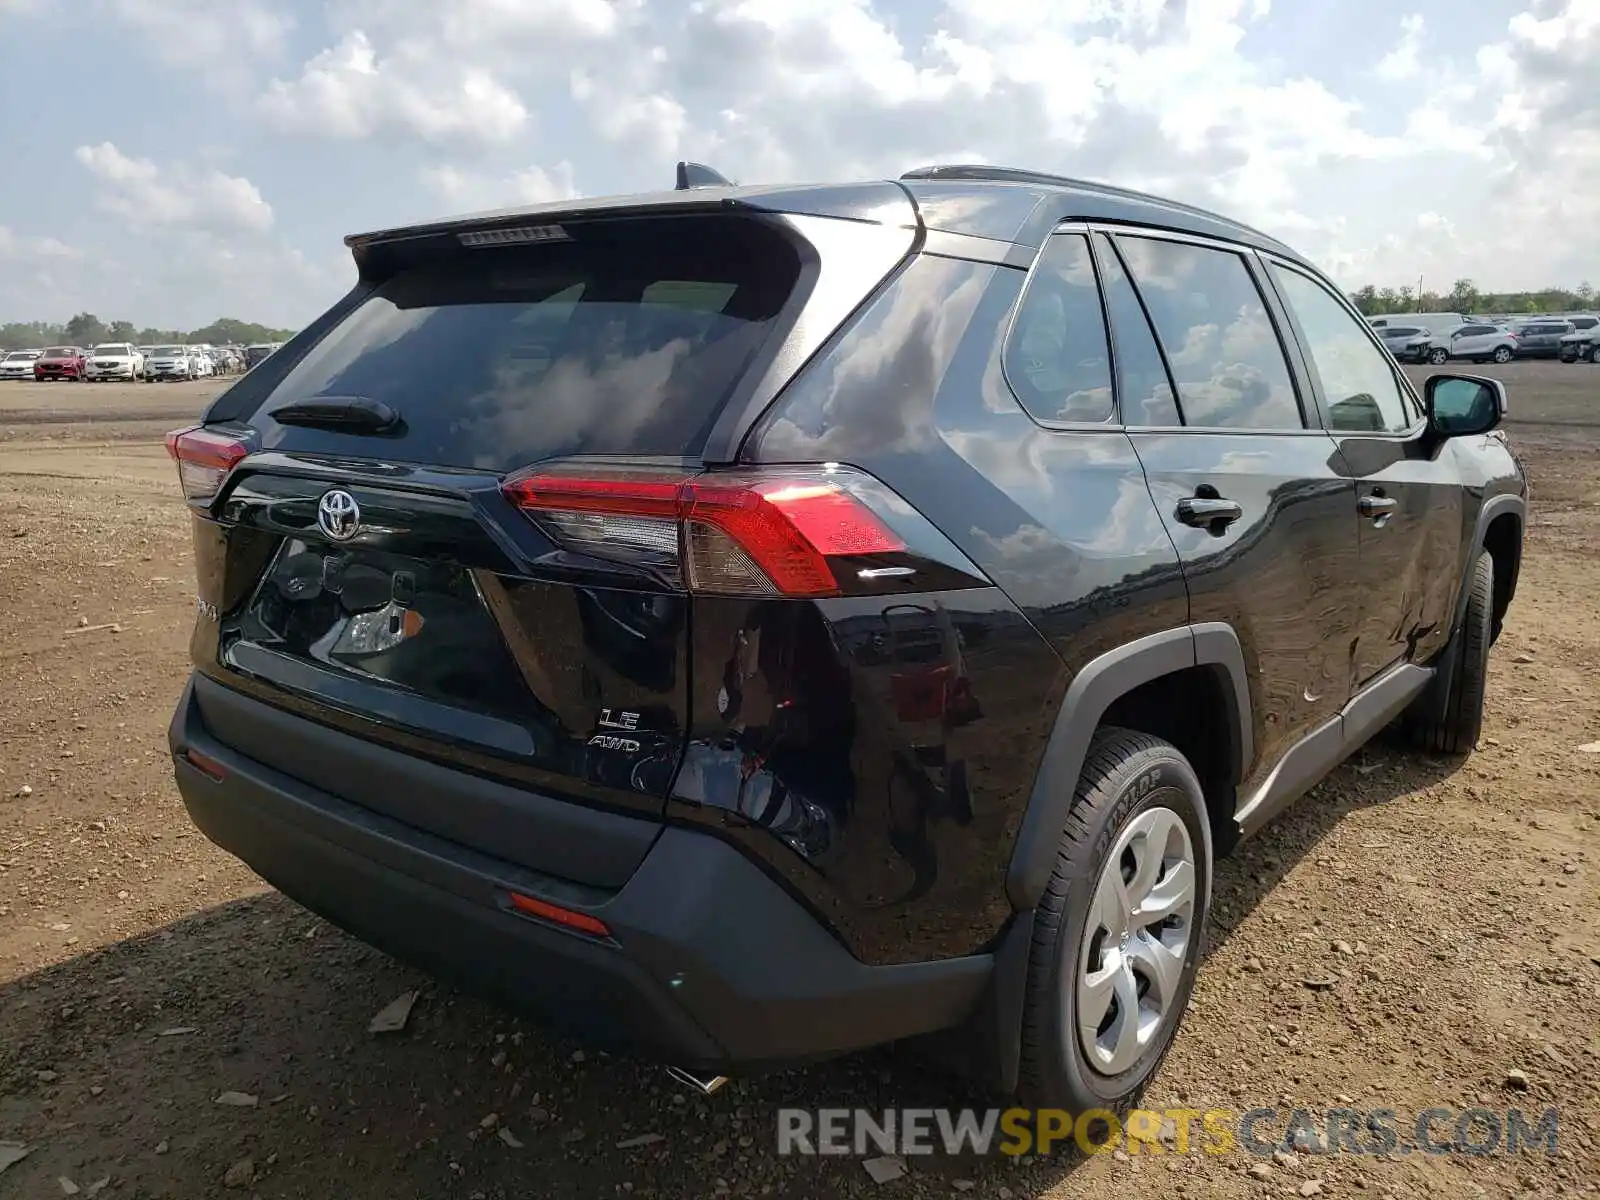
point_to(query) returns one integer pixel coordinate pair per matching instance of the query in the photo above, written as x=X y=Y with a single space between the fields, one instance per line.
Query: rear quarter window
x=1057 y=359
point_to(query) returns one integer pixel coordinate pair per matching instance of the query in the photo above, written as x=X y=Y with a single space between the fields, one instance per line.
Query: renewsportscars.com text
x=1214 y=1131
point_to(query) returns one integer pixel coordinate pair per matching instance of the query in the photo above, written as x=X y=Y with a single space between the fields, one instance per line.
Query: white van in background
x=1440 y=323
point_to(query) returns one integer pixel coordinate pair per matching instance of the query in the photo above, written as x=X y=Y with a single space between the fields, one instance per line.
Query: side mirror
x=1464 y=405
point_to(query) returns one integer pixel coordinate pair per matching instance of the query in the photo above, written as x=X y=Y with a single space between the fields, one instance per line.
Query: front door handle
x=1376 y=506
x=1211 y=513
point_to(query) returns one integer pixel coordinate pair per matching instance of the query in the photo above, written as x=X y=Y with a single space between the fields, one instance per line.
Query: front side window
x=1220 y=343
x=1056 y=358
x=1358 y=381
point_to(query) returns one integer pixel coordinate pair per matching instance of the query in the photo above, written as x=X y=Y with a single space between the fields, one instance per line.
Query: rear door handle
x=1210 y=513
x=1376 y=506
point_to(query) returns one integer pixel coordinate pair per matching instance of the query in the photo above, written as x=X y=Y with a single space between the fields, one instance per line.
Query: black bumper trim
x=713 y=966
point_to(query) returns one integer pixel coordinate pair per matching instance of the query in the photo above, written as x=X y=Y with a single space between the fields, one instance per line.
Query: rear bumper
x=711 y=965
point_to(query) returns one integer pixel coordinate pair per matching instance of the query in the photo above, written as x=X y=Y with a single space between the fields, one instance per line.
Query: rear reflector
x=204 y=458
x=206 y=765
x=556 y=915
x=747 y=533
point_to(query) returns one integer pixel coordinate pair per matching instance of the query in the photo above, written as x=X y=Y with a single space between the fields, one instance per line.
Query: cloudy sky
x=170 y=161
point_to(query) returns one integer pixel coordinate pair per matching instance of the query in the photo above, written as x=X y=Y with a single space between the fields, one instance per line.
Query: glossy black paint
x=516 y=656
x=869 y=751
x=1285 y=577
x=881 y=756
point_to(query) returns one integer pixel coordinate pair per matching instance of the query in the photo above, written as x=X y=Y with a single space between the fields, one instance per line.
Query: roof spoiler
x=698 y=175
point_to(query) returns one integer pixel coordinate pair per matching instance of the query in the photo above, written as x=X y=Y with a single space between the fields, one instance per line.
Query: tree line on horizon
x=87 y=331
x=1465 y=297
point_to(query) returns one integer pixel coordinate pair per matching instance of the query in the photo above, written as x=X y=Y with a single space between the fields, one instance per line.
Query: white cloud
x=219 y=44
x=465 y=191
x=173 y=194
x=348 y=91
x=1455 y=148
x=17 y=249
x=189 y=32
x=1403 y=62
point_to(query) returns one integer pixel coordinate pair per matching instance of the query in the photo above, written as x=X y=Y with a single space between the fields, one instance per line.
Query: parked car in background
x=60 y=362
x=961 y=740
x=1542 y=338
x=1581 y=345
x=1403 y=341
x=1433 y=322
x=256 y=353
x=115 y=360
x=19 y=364
x=1477 y=342
x=171 y=362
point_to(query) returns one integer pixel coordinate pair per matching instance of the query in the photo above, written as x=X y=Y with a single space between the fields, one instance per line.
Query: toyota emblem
x=338 y=515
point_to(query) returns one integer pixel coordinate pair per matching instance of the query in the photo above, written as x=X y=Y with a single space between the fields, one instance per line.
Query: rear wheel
x=1456 y=730
x=1118 y=934
x=1502 y=354
x=1438 y=356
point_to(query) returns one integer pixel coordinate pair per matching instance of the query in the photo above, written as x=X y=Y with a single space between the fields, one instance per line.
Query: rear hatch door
x=373 y=575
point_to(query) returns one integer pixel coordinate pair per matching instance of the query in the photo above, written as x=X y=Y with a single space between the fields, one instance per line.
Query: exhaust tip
x=704 y=1084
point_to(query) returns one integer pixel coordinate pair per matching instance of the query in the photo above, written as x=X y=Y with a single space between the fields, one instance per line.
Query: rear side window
x=1056 y=358
x=1143 y=388
x=626 y=344
x=1224 y=353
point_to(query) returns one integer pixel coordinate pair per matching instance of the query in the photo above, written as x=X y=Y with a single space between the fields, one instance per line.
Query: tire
x=1591 y=355
x=1129 y=780
x=1438 y=356
x=1502 y=354
x=1457 y=731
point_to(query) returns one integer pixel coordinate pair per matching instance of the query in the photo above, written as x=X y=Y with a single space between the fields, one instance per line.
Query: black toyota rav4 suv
x=747 y=624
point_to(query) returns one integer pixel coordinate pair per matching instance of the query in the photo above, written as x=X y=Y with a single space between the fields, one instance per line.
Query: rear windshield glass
x=497 y=358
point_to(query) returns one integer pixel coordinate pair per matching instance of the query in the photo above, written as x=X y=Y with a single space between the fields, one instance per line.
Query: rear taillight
x=204 y=458
x=823 y=531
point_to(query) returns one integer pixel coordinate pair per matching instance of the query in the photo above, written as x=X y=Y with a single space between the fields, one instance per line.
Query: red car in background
x=60 y=362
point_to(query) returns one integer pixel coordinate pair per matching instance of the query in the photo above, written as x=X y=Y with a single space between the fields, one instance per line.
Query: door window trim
x=1096 y=237
x=1409 y=400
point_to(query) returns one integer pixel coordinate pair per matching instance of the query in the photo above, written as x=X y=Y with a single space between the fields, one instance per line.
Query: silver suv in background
x=1478 y=341
x=1408 y=343
x=1541 y=338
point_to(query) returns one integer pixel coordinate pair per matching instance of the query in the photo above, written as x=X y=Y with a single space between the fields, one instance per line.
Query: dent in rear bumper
x=712 y=965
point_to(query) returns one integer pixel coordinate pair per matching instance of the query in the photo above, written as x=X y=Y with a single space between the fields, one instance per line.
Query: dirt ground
x=144 y=973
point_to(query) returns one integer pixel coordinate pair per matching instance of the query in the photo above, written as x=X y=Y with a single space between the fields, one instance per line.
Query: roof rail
x=983 y=172
x=698 y=175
